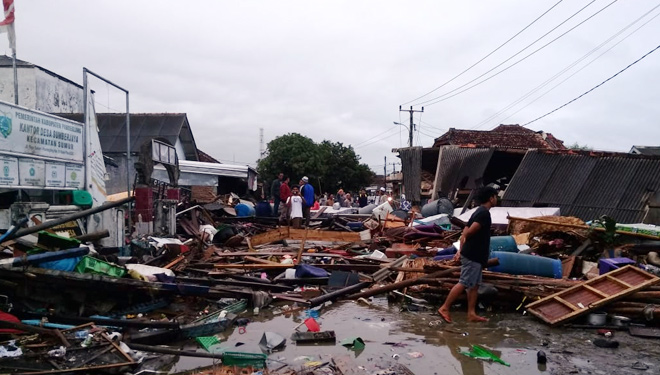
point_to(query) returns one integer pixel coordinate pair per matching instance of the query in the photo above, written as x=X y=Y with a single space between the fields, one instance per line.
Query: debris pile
x=71 y=305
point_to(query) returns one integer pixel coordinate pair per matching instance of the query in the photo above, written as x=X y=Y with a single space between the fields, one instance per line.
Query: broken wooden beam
x=284 y=233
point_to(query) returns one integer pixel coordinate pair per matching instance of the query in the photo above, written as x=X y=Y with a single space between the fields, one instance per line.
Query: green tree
x=577 y=146
x=328 y=165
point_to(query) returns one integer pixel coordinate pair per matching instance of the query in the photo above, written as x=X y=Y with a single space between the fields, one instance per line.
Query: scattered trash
x=479 y=352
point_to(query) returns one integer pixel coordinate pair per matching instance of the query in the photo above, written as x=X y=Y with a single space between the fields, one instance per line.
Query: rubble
x=73 y=306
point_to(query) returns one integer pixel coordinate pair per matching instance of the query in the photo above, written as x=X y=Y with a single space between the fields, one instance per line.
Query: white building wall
x=27 y=96
x=179 y=150
x=57 y=96
x=41 y=91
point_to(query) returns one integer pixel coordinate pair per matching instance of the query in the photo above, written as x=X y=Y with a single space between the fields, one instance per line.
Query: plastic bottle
x=87 y=342
x=82 y=334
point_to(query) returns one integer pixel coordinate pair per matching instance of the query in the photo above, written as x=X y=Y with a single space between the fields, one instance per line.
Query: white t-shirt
x=296 y=206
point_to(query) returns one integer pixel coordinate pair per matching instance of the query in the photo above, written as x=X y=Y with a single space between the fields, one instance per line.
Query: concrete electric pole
x=412 y=126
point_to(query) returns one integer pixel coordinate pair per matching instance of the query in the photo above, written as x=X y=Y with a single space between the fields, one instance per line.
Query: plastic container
x=524 y=264
x=503 y=243
x=243 y=210
x=264 y=209
x=440 y=206
x=244 y=359
x=81 y=198
x=91 y=265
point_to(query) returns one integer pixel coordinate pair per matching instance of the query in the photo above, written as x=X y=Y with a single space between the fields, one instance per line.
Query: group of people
x=294 y=202
x=297 y=200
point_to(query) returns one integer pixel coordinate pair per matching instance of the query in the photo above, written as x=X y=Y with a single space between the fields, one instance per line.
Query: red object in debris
x=9 y=318
x=312 y=325
x=605 y=332
x=174 y=193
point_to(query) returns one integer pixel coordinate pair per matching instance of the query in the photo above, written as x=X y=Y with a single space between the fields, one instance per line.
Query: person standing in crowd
x=348 y=201
x=275 y=193
x=380 y=197
x=339 y=198
x=323 y=199
x=473 y=253
x=362 y=199
x=295 y=204
x=330 y=201
x=307 y=192
x=285 y=191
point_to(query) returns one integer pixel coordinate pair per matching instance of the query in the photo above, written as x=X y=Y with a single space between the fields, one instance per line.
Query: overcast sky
x=338 y=70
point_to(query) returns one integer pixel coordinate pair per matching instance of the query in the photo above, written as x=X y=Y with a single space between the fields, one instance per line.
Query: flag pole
x=13 y=55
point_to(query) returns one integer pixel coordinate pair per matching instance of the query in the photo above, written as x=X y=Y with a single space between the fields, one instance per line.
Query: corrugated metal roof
x=411 y=166
x=144 y=127
x=586 y=185
x=460 y=167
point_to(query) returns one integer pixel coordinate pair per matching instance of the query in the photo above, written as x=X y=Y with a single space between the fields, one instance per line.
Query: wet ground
x=392 y=335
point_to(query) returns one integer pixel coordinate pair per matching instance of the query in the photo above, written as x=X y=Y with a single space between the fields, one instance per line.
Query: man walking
x=275 y=193
x=473 y=253
x=307 y=192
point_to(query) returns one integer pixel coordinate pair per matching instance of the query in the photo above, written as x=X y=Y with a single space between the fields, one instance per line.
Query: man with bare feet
x=473 y=254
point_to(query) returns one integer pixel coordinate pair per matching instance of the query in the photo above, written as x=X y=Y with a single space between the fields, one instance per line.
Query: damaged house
x=461 y=160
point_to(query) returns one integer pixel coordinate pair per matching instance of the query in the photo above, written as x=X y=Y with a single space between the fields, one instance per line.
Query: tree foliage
x=579 y=147
x=329 y=165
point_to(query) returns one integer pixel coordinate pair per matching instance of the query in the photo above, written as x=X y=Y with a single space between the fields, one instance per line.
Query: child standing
x=295 y=205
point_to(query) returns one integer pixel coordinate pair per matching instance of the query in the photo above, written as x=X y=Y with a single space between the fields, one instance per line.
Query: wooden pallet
x=590 y=295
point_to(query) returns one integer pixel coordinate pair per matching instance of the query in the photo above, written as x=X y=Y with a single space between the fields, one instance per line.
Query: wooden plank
x=602 y=294
x=535 y=308
x=620 y=282
x=566 y=303
x=283 y=233
x=585 y=227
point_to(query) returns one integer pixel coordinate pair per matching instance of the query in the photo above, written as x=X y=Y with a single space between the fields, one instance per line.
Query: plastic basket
x=207 y=341
x=91 y=265
x=244 y=359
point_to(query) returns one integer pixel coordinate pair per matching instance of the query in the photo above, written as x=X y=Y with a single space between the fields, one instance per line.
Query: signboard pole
x=128 y=159
x=128 y=139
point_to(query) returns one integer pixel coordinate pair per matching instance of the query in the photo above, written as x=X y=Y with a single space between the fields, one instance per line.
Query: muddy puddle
x=392 y=335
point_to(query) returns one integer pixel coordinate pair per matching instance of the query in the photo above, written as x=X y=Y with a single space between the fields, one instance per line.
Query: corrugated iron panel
x=570 y=173
x=586 y=186
x=411 y=166
x=460 y=168
x=531 y=177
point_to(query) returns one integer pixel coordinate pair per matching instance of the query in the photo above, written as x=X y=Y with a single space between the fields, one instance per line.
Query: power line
x=371 y=139
x=595 y=87
x=578 y=71
x=485 y=57
x=447 y=95
x=566 y=69
x=375 y=140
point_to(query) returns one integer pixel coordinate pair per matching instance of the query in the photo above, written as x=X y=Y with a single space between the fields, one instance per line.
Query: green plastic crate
x=92 y=265
x=244 y=359
x=207 y=341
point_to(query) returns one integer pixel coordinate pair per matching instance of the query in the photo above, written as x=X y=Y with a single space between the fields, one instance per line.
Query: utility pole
x=385 y=172
x=412 y=126
x=262 y=151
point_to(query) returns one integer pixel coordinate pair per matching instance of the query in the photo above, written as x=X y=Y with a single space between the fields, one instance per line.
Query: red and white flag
x=7 y=26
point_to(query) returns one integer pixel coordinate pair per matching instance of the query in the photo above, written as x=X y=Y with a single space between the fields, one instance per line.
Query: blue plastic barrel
x=264 y=209
x=503 y=243
x=243 y=210
x=525 y=264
